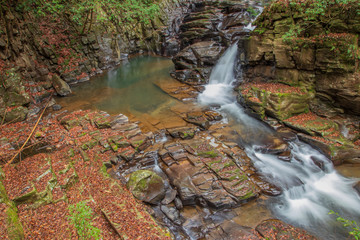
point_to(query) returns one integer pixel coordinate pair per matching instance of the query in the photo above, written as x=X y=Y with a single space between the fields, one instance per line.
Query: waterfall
x=309 y=191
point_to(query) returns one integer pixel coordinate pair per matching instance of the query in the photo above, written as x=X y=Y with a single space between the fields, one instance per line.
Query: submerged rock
x=146 y=186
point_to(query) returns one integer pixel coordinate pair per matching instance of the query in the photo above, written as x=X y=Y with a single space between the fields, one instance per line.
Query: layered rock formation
x=314 y=73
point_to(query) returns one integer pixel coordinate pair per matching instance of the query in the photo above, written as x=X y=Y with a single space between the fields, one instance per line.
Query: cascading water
x=310 y=186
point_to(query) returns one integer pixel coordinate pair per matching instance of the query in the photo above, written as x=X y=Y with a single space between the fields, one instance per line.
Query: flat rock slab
x=178 y=90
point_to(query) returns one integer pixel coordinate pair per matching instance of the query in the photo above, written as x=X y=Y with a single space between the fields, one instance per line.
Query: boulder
x=276 y=100
x=16 y=114
x=146 y=186
x=61 y=87
x=199 y=54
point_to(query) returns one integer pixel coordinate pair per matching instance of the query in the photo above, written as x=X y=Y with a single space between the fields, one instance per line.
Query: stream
x=310 y=186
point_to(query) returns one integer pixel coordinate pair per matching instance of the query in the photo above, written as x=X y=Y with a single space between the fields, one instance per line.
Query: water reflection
x=128 y=89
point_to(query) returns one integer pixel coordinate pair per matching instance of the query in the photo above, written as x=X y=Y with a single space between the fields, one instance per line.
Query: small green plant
x=81 y=216
x=253 y=11
x=355 y=229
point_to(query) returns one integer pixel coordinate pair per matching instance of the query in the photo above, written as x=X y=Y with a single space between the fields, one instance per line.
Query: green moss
x=71 y=152
x=13 y=224
x=84 y=156
x=141 y=179
x=247 y=195
x=208 y=154
x=65 y=170
x=69 y=182
x=187 y=135
x=103 y=170
x=14 y=227
x=82 y=134
x=229 y=164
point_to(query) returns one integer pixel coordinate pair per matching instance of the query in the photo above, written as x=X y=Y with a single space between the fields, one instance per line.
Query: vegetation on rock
x=331 y=23
x=81 y=216
x=355 y=229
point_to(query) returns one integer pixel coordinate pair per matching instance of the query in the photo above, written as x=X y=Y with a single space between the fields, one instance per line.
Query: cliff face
x=304 y=72
x=35 y=48
x=322 y=59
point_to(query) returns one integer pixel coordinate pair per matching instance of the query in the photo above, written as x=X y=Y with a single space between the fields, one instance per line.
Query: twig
x=37 y=122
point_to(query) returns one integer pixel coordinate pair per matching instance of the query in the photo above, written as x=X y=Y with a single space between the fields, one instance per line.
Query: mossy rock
x=102 y=122
x=17 y=114
x=146 y=186
x=275 y=104
x=208 y=154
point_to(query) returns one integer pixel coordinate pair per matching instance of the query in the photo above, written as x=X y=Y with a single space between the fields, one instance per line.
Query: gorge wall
x=309 y=81
x=40 y=55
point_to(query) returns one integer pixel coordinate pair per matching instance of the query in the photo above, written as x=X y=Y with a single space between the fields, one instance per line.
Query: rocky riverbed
x=188 y=173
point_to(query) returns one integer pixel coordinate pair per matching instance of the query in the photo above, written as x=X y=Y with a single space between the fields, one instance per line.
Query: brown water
x=129 y=89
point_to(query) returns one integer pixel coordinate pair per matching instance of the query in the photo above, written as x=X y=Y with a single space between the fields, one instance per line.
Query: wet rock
x=336 y=152
x=182 y=132
x=169 y=196
x=266 y=188
x=146 y=186
x=198 y=118
x=61 y=87
x=279 y=230
x=270 y=99
x=193 y=77
x=127 y=155
x=102 y=121
x=196 y=183
x=213 y=115
x=140 y=142
x=172 y=213
x=178 y=203
x=286 y=134
x=357 y=187
x=56 y=107
x=194 y=222
x=278 y=147
x=198 y=55
x=118 y=121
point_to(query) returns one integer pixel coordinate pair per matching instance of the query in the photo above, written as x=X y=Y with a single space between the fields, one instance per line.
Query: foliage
x=253 y=11
x=83 y=12
x=355 y=229
x=312 y=21
x=81 y=216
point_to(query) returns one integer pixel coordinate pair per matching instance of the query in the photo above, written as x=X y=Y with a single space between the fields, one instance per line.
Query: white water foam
x=310 y=186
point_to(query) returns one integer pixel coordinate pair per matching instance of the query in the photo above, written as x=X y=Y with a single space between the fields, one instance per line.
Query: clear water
x=310 y=192
x=129 y=89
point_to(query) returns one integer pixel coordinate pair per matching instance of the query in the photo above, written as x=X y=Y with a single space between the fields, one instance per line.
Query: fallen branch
x=32 y=132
